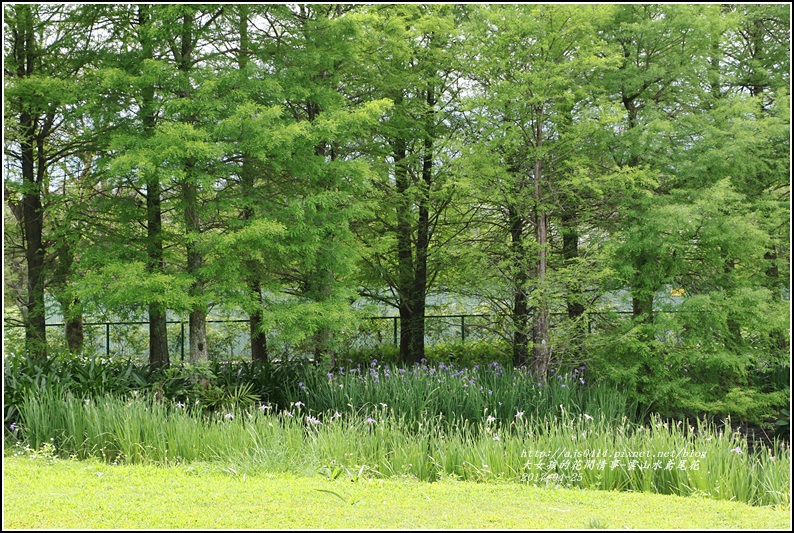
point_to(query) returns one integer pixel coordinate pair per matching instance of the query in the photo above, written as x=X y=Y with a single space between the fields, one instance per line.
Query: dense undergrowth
x=428 y=420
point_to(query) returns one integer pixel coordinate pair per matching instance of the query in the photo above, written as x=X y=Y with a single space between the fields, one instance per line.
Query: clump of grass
x=595 y=523
x=562 y=448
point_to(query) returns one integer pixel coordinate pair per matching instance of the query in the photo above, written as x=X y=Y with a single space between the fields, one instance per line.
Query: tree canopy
x=289 y=163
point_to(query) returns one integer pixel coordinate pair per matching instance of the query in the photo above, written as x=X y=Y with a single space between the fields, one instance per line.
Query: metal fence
x=230 y=338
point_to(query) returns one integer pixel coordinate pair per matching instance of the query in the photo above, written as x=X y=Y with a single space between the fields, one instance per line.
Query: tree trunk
x=258 y=338
x=35 y=329
x=405 y=277
x=190 y=197
x=158 y=332
x=540 y=332
x=198 y=336
x=198 y=314
x=33 y=169
x=641 y=293
x=74 y=334
x=419 y=291
x=321 y=281
x=573 y=303
x=520 y=303
x=247 y=179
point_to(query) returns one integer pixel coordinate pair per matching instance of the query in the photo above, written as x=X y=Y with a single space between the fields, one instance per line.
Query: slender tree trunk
x=35 y=329
x=520 y=301
x=258 y=337
x=198 y=315
x=573 y=304
x=405 y=277
x=641 y=294
x=540 y=331
x=423 y=237
x=70 y=306
x=255 y=319
x=158 y=332
x=323 y=287
x=25 y=54
x=190 y=197
x=248 y=178
x=642 y=308
x=540 y=346
x=321 y=281
x=570 y=252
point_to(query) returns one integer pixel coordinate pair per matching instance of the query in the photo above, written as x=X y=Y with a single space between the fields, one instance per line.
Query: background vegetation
x=608 y=186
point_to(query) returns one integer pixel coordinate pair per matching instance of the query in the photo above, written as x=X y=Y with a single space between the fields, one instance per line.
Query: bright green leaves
x=279 y=159
x=127 y=288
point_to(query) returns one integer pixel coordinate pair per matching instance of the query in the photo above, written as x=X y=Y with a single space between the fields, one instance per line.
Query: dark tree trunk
x=642 y=292
x=419 y=291
x=405 y=276
x=258 y=338
x=183 y=56
x=248 y=178
x=198 y=315
x=33 y=169
x=35 y=329
x=74 y=334
x=158 y=332
x=573 y=303
x=540 y=331
x=520 y=301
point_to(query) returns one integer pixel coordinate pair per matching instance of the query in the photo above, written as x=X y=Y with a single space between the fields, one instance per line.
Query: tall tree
x=47 y=50
x=418 y=72
x=664 y=49
x=184 y=45
x=158 y=332
x=529 y=76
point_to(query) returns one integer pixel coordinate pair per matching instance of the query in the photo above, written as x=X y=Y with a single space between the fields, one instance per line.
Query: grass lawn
x=40 y=493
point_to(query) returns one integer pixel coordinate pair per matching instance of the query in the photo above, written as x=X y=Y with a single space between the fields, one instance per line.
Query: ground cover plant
x=46 y=493
x=430 y=423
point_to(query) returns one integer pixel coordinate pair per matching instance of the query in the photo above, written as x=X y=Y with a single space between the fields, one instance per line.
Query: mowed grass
x=46 y=493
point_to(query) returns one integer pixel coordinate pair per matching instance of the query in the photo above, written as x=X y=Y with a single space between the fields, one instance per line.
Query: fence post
x=462 y=328
x=182 y=341
x=395 y=331
x=107 y=339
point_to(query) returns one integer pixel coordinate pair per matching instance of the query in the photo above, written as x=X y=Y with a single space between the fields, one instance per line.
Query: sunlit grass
x=559 y=449
x=44 y=493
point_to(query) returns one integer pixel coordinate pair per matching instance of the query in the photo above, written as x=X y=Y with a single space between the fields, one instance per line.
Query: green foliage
x=82 y=376
x=461 y=355
x=695 y=372
x=718 y=463
x=470 y=354
x=389 y=152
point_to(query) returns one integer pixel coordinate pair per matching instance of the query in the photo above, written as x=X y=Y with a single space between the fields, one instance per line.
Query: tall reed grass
x=579 y=448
